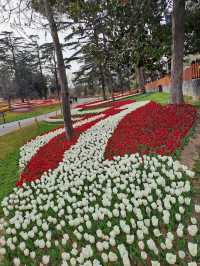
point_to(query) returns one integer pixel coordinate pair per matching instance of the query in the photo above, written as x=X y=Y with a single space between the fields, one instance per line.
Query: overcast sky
x=44 y=36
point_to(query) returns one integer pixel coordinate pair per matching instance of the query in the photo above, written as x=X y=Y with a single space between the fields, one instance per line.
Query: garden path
x=12 y=126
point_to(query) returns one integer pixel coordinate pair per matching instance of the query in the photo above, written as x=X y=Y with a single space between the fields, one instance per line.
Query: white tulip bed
x=30 y=149
x=90 y=211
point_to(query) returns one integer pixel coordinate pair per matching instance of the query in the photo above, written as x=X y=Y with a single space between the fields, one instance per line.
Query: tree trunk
x=39 y=61
x=121 y=83
x=177 y=51
x=110 y=84
x=102 y=77
x=85 y=90
x=44 y=92
x=129 y=84
x=61 y=70
x=57 y=83
x=56 y=77
x=103 y=85
x=140 y=78
x=14 y=63
x=13 y=59
x=9 y=102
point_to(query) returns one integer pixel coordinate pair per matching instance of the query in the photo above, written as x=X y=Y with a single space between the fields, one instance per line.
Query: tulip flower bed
x=36 y=156
x=35 y=152
x=45 y=159
x=119 y=96
x=89 y=211
x=152 y=129
x=105 y=104
x=89 y=103
x=76 y=117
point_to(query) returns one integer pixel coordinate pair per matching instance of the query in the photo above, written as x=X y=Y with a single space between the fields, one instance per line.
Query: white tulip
x=112 y=256
x=197 y=208
x=192 y=247
x=143 y=255
x=192 y=229
x=181 y=254
x=155 y=263
x=171 y=258
x=45 y=259
x=193 y=263
x=16 y=261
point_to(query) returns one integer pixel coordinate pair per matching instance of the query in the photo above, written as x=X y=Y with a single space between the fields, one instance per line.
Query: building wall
x=190 y=88
x=191 y=82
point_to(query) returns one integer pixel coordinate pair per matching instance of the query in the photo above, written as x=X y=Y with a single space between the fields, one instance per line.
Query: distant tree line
x=27 y=69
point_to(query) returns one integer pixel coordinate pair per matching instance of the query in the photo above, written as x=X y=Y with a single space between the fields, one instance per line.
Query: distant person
x=160 y=88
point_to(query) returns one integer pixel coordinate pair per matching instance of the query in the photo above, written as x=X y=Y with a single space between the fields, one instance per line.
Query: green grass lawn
x=159 y=97
x=162 y=98
x=9 y=155
x=14 y=116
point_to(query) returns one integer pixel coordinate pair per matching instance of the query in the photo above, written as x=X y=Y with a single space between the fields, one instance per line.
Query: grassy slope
x=14 y=116
x=9 y=155
x=162 y=98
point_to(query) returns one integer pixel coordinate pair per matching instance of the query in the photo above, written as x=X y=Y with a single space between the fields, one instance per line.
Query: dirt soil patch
x=190 y=157
x=190 y=153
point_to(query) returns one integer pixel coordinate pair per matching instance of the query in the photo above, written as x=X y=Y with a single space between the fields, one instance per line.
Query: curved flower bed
x=49 y=156
x=152 y=129
x=113 y=104
x=59 y=118
x=28 y=150
x=97 y=102
x=92 y=211
x=32 y=147
x=89 y=103
x=102 y=104
x=78 y=112
x=40 y=157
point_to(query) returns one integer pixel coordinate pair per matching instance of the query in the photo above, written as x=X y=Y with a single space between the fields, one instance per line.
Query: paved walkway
x=12 y=126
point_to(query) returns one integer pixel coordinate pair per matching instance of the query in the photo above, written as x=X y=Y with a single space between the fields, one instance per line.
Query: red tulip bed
x=152 y=129
x=49 y=155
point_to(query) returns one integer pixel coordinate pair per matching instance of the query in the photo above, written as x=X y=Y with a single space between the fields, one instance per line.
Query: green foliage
x=113 y=38
x=192 y=42
x=20 y=65
x=117 y=37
